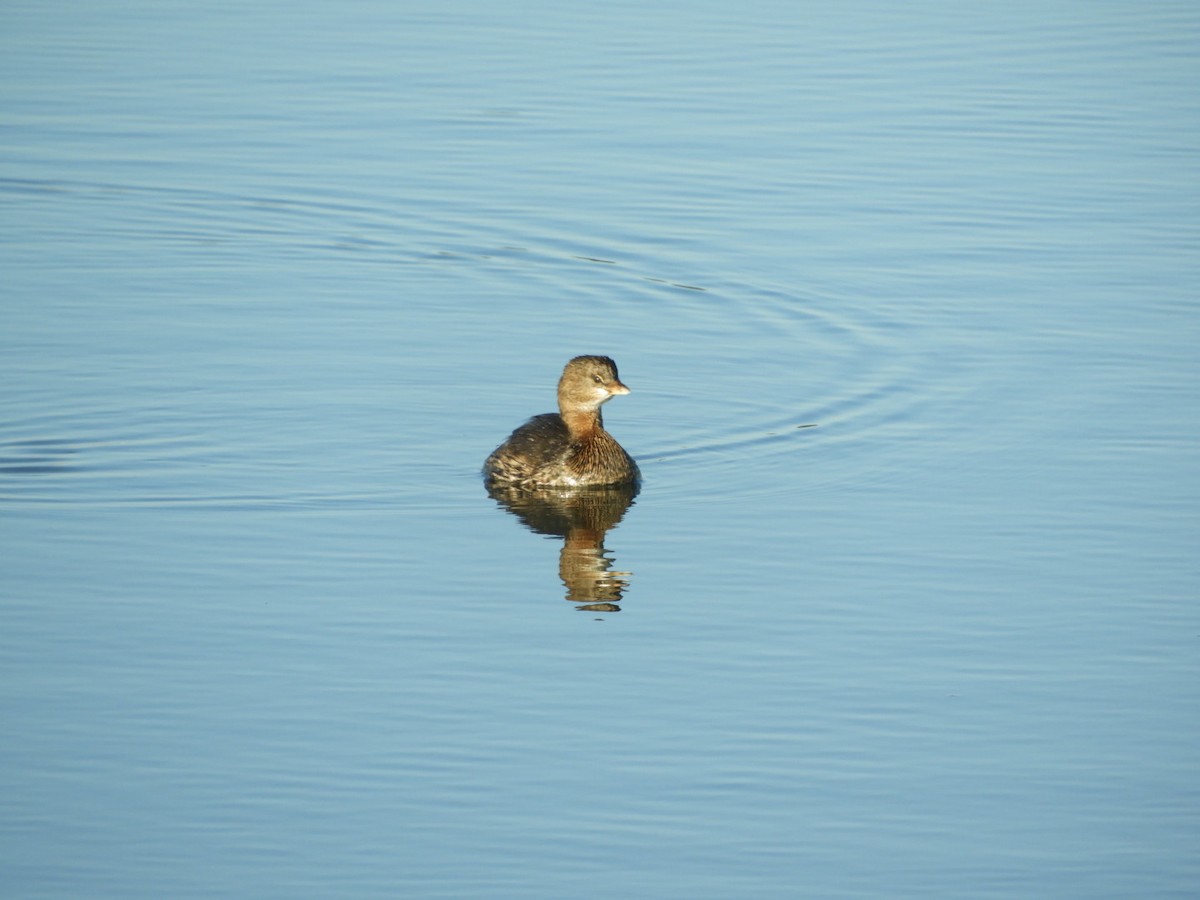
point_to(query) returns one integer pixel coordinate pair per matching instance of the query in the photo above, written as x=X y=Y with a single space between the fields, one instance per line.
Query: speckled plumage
x=569 y=448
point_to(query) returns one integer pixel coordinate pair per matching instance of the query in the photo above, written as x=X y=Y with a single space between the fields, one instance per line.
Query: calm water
x=907 y=296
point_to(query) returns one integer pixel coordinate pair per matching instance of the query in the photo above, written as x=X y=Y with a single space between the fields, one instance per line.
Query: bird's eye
x=597 y=379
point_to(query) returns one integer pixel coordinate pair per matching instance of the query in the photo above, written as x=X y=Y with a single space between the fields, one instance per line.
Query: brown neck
x=582 y=423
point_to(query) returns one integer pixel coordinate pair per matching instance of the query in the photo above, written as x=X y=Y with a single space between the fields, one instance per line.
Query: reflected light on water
x=582 y=518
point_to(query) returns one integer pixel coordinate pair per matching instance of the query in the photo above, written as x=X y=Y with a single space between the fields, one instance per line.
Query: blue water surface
x=907 y=297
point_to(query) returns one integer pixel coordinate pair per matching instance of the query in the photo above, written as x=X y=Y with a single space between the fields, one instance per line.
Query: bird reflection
x=581 y=517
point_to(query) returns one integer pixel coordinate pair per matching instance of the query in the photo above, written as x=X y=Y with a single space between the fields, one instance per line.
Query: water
x=907 y=299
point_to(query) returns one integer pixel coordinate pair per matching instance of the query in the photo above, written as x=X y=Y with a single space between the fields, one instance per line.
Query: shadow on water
x=581 y=517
